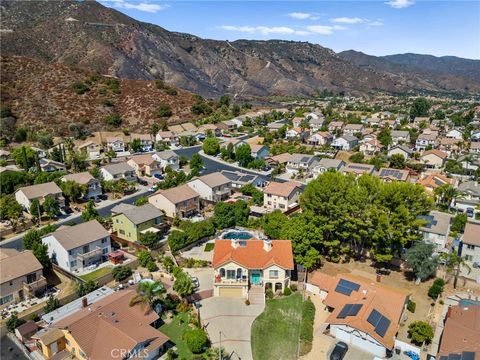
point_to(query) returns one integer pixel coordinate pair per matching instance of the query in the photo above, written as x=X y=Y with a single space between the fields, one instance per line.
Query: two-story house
x=49 y=165
x=326 y=164
x=85 y=178
x=167 y=158
x=427 y=139
x=241 y=266
x=91 y=148
x=301 y=162
x=117 y=171
x=321 y=138
x=281 y=196
x=146 y=142
x=400 y=137
x=212 y=188
x=434 y=159
x=470 y=243
x=168 y=137
x=400 y=150
x=468 y=197
x=25 y=195
x=181 y=201
x=145 y=165
x=76 y=247
x=351 y=129
x=116 y=144
x=21 y=276
x=335 y=127
x=436 y=228
x=130 y=221
x=259 y=151
x=346 y=143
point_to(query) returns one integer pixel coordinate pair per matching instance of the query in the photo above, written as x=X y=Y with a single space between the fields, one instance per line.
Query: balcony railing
x=188 y=207
x=95 y=252
x=34 y=285
x=222 y=192
x=220 y=280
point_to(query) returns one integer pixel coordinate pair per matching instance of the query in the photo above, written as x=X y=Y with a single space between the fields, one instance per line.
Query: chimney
x=379 y=278
x=267 y=245
x=449 y=312
x=84 y=302
x=235 y=243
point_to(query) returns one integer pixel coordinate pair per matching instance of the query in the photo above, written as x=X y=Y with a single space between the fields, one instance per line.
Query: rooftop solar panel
x=354 y=309
x=343 y=290
x=349 y=284
x=374 y=317
x=382 y=326
x=345 y=311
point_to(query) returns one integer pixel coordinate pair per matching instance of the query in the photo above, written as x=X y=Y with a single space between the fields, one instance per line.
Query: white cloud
x=375 y=23
x=348 y=20
x=300 y=15
x=265 y=30
x=400 y=4
x=321 y=29
x=140 y=6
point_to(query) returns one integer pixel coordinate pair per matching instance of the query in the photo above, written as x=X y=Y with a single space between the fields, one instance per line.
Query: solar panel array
x=349 y=310
x=380 y=322
x=346 y=287
x=391 y=173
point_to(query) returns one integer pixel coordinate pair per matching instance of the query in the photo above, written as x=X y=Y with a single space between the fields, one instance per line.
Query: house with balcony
x=25 y=195
x=74 y=248
x=115 y=143
x=167 y=137
x=167 y=158
x=427 y=139
x=117 y=171
x=85 y=178
x=282 y=196
x=242 y=266
x=21 y=276
x=129 y=222
x=145 y=165
x=351 y=129
x=181 y=201
x=212 y=188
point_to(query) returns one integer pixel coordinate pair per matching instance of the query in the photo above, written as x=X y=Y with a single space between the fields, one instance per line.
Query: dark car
x=142 y=182
x=68 y=210
x=158 y=176
x=103 y=196
x=339 y=351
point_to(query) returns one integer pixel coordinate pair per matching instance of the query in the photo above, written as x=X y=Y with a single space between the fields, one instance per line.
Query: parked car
x=339 y=351
x=103 y=196
x=158 y=176
x=153 y=189
x=196 y=283
x=142 y=182
x=470 y=212
x=68 y=210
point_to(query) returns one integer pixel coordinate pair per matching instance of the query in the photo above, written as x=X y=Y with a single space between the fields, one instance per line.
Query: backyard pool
x=467 y=302
x=242 y=235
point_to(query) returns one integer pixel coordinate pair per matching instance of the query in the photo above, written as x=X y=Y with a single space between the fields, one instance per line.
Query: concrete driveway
x=204 y=275
x=231 y=319
x=198 y=252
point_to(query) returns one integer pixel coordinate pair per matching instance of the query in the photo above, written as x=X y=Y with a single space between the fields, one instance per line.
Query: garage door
x=230 y=292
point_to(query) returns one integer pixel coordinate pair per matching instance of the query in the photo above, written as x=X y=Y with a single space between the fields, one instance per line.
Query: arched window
x=239 y=273
x=278 y=286
x=222 y=272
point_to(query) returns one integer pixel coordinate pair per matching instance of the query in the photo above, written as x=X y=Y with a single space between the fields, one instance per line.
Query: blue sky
x=374 y=27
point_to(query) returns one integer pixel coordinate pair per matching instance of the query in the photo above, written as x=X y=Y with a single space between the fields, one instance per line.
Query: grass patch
x=175 y=331
x=276 y=331
x=209 y=247
x=96 y=274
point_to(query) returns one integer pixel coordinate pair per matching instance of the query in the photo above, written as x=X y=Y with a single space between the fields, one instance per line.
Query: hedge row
x=190 y=233
x=306 y=326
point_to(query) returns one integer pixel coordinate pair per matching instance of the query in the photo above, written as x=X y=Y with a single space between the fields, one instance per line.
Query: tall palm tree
x=147 y=293
x=453 y=264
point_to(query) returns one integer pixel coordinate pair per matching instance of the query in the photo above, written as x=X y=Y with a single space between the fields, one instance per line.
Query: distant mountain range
x=89 y=35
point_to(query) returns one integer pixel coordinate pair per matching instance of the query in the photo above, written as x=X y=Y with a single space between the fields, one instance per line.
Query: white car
x=196 y=283
x=153 y=189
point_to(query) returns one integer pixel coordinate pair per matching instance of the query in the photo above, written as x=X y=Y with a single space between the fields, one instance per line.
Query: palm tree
x=147 y=293
x=453 y=264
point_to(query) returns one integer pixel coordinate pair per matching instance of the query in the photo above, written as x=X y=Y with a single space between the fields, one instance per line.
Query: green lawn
x=209 y=246
x=96 y=274
x=175 y=331
x=276 y=331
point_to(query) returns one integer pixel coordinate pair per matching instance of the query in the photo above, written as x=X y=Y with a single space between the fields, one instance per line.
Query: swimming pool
x=242 y=235
x=467 y=302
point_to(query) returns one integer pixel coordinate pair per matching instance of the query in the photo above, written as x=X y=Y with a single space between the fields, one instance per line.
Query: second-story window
x=273 y=274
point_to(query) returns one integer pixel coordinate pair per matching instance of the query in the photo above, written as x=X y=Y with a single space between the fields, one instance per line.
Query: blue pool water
x=467 y=302
x=242 y=235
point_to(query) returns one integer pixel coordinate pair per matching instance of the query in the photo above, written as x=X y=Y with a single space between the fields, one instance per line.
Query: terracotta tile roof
x=14 y=264
x=111 y=323
x=177 y=194
x=471 y=235
x=253 y=255
x=322 y=280
x=461 y=332
x=436 y=152
x=435 y=180
x=390 y=302
x=281 y=189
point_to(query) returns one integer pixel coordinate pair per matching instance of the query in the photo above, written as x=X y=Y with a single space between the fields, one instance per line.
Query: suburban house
x=437 y=228
x=167 y=158
x=358 y=169
x=85 y=178
x=346 y=142
x=230 y=125
x=421 y=119
x=145 y=165
x=116 y=144
x=76 y=247
x=283 y=196
x=297 y=133
x=326 y=164
x=335 y=127
x=167 y=137
x=206 y=128
x=212 y=188
x=316 y=123
x=351 y=129
x=400 y=137
x=49 y=165
x=449 y=146
x=301 y=162
x=468 y=198
x=474 y=148
x=106 y=329
x=91 y=148
x=454 y=134
x=461 y=333
x=145 y=141
x=400 y=150
x=21 y=276
x=435 y=180
x=434 y=159
x=296 y=121
x=181 y=201
x=243 y=265
x=240 y=179
x=129 y=222
x=426 y=139
x=259 y=151
x=389 y=175
x=117 y=171
x=371 y=147
x=470 y=242
x=363 y=312
x=25 y=195
x=321 y=138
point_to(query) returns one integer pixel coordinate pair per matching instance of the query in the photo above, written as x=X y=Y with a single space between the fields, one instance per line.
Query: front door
x=255 y=277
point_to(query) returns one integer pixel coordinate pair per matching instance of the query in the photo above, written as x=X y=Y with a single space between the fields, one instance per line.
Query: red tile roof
x=253 y=255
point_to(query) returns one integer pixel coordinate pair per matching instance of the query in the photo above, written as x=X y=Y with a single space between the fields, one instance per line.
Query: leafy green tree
x=196 y=340
x=13 y=322
x=73 y=190
x=397 y=161
x=419 y=258
x=149 y=239
x=36 y=209
x=168 y=263
x=89 y=213
x=251 y=190
x=121 y=272
x=31 y=237
x=83 y=289
x=8 y=127
x=147 y=294
x=444 y=194
x=113 y=120
x=243 y=154
x=41 y=253
x=454 y=167
x=136 y=145
x=51 y=206
x=436 y=289
x=144 y=257
x=52 y=304
x=196 y=163
x=183 y=284
x=356 y=158
x=10 y=210
x=177 y=240
x=420 y=108
x=458 y=223
x=227 y=214
x=273 y=223
x=224 y=101
x=420 y=332
x=142 y=200
x=24 y=157
x=211 y=146
x=385 y=136
x=11 y=180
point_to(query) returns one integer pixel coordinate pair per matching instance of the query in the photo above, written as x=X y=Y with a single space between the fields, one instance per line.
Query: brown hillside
x=42 y=96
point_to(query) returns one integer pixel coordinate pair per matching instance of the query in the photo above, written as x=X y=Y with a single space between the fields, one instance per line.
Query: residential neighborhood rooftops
x=80 y=178
x=141 y=214
x=178 y=194
x=435 y=152
x=471 y=235
x=393 y=174
x=14 y=264
x=145 y=159
x=284 y=189
x=358 y=168
x=40 y=190
x=167 y=154
x=437 y=222
x=470 y=187
x=118 y=168
x=214 y=179
x=252 y=254
x=72 y=237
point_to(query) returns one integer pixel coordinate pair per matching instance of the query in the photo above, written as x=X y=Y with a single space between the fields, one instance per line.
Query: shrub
x=306 y=326
x=420 y=332
x=121 y=273
x=113 y=120
x=209 y=247
x=287 y=291
x=80 y=87
x=13 y=322
x=269 y=293
x=164 y=111
x=411 y=306
x=436 y=289
x=170 y=91
x=293 y=287
x=196 y=340
x=151 y=266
